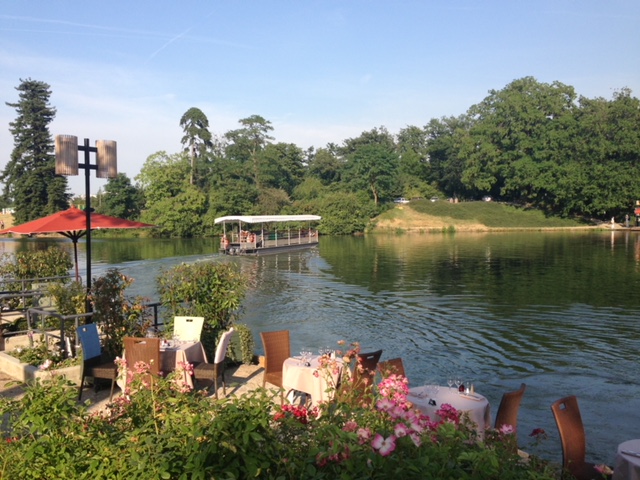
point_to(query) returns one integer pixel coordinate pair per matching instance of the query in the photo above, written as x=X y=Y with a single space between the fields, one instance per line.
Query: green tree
x=197 y=138
x=325 y=165
x=281 y=166
x=121 y=199
x=247 y=142
x=172 y=202
x=29 y=178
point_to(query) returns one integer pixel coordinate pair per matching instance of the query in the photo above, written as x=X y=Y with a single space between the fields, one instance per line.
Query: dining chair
x=277 y=348
x=509 y=407
x=573 y=439
x=143 y=349
x=187 y=329
x=393 y=366
x=93 y=363
x=363 y=377
x=211 y=371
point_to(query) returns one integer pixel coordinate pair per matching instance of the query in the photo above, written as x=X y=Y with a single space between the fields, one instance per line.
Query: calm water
x=558 y=311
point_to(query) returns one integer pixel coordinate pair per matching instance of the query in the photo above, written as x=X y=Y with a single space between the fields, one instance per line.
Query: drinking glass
x=458 y=381
x=450 y=381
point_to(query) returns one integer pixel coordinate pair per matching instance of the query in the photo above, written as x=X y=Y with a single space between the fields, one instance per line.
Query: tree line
x=532 y=144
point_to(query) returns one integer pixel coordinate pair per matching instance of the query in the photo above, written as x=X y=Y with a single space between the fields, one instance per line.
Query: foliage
x=118 y=315
x=159 y=429
x=52 y=262
x=68 y=299
x=29 y=178
x=121 y=199
x=206 y=289
x=246 y=344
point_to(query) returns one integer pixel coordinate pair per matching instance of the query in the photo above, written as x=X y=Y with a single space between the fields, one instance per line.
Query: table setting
x=627 y=463
x=304 y=373
x=430 y=397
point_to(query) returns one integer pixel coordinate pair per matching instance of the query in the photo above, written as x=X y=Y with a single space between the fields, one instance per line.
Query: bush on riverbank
x=159 y=429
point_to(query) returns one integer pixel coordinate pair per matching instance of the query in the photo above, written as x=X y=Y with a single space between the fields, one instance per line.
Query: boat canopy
x=267 y=218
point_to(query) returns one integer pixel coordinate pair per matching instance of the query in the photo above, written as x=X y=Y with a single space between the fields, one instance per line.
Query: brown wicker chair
x=509 y=408
x=139 y=349
x=277 y=348
x=393 y=366
x=573 y=439
x=93 y=364
x=215 y=370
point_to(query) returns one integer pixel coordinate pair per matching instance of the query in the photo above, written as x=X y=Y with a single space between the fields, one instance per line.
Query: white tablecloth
x=627 y=467
x=297 y=376
x=170 y=357
x=478 y=408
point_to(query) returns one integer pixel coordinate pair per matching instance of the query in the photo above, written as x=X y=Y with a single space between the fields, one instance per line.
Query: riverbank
x=423 y=216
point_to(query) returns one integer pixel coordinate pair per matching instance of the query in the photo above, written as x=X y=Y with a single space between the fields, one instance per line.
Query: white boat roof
x=267 y=218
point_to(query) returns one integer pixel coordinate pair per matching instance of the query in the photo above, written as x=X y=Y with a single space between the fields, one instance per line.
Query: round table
x=476 y=405
x=627 y=466
x=303 y=378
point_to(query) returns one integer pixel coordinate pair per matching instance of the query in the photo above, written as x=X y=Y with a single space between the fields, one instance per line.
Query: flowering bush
x=159 y=428
x=43 y=357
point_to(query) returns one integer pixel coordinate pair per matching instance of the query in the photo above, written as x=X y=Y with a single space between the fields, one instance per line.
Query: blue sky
x=320 y=71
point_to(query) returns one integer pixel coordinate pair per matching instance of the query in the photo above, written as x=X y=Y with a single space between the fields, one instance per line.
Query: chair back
x=187 y=329
x=571 y=429
x=139 y=349
x=223 y=345
x=393 y=366
x=509 y=408
x=90 y=341
x=277 y=348
x=365 y=371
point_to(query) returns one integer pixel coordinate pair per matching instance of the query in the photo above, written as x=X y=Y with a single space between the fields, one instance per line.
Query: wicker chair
x=277 y=348
x=573 y=439
x=139 y=349
x=393 y=366
x=187 y=328
x=93 y=364
x=212 y=371
x=509 y=407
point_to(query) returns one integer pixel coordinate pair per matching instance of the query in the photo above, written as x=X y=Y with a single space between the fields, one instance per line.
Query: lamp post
x=106 y=166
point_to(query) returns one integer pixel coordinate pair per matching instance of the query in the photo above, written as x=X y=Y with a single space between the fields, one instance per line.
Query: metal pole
x=87 y=208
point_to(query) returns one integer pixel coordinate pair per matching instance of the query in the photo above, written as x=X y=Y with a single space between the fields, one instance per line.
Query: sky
x=320 y=71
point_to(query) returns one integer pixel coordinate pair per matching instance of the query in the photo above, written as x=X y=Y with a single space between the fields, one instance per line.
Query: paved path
x=240 y=379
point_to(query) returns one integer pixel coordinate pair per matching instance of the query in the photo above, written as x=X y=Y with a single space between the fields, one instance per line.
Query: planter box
x=28 y=373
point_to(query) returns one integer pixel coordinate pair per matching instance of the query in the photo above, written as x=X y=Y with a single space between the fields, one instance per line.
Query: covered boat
x=262 y=234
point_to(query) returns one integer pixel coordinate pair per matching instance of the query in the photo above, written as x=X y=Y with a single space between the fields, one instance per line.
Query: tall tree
x=29 y=178
x=247 y=142
x=196 y=138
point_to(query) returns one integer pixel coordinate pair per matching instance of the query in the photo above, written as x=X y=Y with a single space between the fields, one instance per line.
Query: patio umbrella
x=72 y=224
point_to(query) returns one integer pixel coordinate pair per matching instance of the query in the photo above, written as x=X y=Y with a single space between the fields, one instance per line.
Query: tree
x=121 y=199
x=197 y=137
x=29 y=178
x=248 y=141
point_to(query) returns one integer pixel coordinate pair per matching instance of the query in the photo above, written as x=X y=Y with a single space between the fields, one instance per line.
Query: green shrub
x=206 y=289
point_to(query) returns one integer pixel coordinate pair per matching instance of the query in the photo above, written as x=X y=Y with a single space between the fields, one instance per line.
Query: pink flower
x=604 y=469
x=384 y=446
x=416 y=438
x=506 y=429
x=384 y=404
x=350 y=426
x=46 y=365
x=401 y=430
x=364 y=434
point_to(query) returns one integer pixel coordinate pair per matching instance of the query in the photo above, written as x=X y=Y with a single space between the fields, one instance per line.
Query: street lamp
x=67 y=164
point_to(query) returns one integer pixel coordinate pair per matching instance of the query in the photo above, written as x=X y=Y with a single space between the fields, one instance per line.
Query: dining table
x=627 y=464
x=309 y=377
x=172 y=353
x=429 y=401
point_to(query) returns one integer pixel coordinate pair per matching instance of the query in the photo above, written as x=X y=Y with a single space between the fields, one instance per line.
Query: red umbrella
x=72 y=224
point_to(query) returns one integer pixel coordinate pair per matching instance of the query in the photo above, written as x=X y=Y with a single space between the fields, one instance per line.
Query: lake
x=557 y=310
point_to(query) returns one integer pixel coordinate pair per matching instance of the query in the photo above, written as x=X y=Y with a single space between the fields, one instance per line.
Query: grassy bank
x=425 y=216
